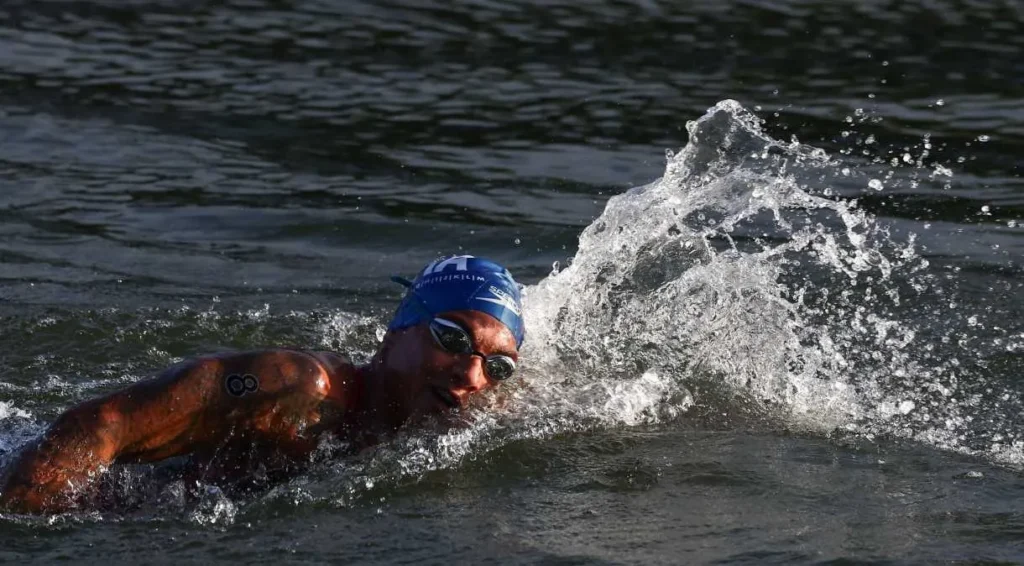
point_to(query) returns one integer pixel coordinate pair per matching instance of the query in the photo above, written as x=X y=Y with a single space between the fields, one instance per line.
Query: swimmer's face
x=425 y=378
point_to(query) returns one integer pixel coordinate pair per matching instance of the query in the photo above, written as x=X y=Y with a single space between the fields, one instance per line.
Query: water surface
x=828 y=373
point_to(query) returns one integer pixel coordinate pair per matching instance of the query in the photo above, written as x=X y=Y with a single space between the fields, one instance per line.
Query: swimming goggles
x=454 y=339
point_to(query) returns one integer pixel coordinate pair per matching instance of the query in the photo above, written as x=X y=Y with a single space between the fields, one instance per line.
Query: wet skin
x=207 y=409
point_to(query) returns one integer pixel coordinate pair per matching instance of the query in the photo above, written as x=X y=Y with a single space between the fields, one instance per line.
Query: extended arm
x=189 y=407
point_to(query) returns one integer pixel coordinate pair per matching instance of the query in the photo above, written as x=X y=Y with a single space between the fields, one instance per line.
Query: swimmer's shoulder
x=258 y=374
x=322 y=373
x=340 y=371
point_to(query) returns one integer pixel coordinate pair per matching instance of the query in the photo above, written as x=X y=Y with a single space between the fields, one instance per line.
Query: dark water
x=828 y=382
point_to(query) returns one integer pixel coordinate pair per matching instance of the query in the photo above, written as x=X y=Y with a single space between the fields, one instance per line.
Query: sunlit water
x=794 y=338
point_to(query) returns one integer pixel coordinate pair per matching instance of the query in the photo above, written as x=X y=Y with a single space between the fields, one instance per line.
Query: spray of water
x=735 y=272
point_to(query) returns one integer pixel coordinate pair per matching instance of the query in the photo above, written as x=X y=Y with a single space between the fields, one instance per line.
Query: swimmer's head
x=462 y=283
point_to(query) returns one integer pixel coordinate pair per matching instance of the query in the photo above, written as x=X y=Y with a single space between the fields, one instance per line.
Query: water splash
x=17 y=426
x=733 y=273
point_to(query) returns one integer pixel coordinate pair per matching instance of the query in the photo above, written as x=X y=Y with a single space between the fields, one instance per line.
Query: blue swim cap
x=462 y=283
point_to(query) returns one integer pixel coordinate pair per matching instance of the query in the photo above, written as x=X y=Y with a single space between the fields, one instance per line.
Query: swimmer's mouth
x=446 y=397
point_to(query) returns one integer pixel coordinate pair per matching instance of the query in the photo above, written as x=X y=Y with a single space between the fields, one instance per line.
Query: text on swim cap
x=459 y=261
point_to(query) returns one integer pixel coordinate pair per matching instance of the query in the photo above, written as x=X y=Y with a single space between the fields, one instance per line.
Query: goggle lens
x=454 y=339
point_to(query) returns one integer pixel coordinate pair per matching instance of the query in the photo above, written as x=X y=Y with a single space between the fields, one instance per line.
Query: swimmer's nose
x=469 y=376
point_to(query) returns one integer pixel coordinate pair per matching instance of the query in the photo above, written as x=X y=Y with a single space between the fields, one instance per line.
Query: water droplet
x=1011 y=223
x=518 y=241
x=907 y=158
x=876 y=184
x=846 y=171
x=985 y=210
x=983 y=138
x=907 y=406
x=940 y=102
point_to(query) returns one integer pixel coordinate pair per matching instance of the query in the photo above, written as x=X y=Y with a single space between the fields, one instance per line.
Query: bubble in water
x=876 y=184
x=983 y=138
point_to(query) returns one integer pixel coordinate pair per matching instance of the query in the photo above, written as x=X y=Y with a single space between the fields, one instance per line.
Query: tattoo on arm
x=238 y=385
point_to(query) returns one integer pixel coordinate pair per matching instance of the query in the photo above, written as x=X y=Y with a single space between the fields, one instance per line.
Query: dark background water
x=179 y=177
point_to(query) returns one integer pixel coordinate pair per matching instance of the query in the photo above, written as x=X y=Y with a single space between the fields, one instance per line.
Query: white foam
x=730 y=270
x=8 y=411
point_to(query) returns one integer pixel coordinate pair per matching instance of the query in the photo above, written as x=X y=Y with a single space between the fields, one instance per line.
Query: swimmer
x=456 y=332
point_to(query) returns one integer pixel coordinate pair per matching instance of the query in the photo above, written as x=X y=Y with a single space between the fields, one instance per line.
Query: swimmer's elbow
x=97 y=424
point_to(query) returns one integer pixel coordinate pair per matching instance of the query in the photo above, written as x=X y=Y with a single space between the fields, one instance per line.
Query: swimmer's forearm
x=49 y=474
x=149 y=421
